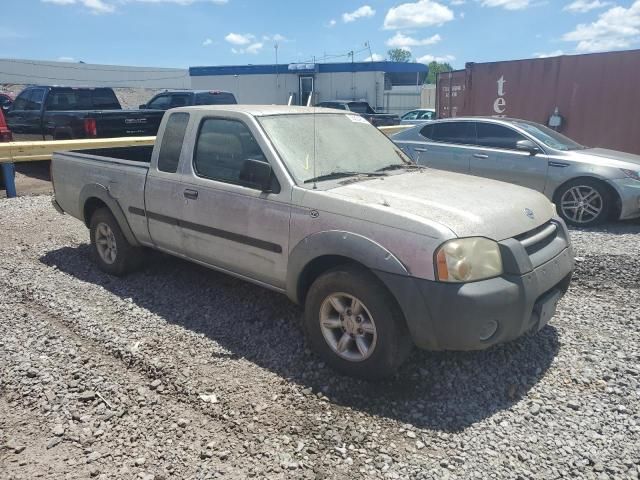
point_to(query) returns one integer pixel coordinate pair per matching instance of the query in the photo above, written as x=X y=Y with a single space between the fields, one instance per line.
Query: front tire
x=111 y=251
x=354 y=323
x=584 y=202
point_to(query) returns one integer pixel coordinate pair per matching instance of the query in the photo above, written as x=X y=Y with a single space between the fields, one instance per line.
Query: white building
x=383 y=84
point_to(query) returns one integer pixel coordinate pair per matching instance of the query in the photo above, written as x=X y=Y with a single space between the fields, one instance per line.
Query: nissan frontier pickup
x=318 y=204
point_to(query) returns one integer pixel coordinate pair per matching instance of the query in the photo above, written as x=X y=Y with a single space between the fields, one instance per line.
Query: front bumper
x=629 y=191
x=447 y=316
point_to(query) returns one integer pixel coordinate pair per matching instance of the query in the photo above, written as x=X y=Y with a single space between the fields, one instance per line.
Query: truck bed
x=138 y=153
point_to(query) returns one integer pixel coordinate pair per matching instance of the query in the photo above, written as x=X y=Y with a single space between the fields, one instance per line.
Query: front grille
x=537 y=239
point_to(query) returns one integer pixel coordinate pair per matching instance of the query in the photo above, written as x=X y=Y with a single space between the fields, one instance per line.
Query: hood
x=611 y=158
x=467 y=205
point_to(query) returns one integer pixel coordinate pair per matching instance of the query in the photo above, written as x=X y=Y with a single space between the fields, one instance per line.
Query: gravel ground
x=172 y=373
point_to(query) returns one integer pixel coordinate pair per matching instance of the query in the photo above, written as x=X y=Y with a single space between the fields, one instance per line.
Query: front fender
x=95 y=190
x=340 y=243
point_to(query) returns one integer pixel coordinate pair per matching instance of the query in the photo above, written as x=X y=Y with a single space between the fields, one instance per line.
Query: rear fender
x=95 y=190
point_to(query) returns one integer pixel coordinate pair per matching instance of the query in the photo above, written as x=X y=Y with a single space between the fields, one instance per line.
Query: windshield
x=343 y=143
x=549 y=137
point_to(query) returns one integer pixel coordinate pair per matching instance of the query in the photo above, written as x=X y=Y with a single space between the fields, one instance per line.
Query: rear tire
x=110 y=249
x=584 y=202
x=354 y=323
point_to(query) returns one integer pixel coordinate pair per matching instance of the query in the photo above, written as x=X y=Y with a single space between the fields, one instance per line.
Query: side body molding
x=95 y=190
x=340 y=243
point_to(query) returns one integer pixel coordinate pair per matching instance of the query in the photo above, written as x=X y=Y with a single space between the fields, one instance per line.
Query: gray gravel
x=181 y=372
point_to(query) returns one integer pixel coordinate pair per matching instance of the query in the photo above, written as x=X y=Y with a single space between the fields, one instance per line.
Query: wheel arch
x=93 y=197
x=323 y=251
x=616 y=206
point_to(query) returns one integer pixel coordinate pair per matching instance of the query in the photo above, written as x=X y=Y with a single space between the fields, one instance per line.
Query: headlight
x=631 y=173
x=467 y=260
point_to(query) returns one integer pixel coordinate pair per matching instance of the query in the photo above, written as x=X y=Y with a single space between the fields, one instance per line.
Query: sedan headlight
x=467 y=260
x=631 y=173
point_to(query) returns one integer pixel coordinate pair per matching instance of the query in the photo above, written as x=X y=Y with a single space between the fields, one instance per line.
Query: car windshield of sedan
x=549 y=137
x=343 y=144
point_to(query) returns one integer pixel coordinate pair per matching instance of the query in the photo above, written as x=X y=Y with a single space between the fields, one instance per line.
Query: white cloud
x=277 y=38
x=239 y=38
x=457 y=2
x=507 y=4
x=555 y=53
x=362 y=12
x=617 y=28
x=254 y=48
x=207 y=42
x=95 y=6
x=400 y=40
x=583 y=6
x=109 y=6
x=374 y=58
x=66 y=59
x=423 y=13
x=426 y=59
x=331 y=23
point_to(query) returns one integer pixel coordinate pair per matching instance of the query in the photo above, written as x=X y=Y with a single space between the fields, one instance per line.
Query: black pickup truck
x=62 y=113
x=365 y=110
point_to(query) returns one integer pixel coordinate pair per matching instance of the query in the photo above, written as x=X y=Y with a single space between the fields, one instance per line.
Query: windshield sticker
x=356 y=119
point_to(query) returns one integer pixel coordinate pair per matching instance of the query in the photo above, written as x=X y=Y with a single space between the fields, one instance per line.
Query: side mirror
x=143 y=106
x=528 y=146
x=256 y=174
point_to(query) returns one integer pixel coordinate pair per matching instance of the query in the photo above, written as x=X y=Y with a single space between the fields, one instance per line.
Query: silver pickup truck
x=318 y=204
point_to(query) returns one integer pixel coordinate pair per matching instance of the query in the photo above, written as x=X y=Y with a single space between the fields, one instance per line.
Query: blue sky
x=182 y=33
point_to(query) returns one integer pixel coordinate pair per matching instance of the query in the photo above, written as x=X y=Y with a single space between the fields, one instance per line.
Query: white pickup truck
x=318 y=204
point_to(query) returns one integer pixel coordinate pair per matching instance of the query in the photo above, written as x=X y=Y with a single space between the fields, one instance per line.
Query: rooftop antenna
x=277 y=73
x=368 y=45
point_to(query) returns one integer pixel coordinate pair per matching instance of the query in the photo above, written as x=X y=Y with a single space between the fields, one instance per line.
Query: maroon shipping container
x=597 y=95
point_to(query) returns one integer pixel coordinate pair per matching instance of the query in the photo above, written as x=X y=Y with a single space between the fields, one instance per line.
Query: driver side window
x=222 y=148
x=160 y=103
x=410 y=116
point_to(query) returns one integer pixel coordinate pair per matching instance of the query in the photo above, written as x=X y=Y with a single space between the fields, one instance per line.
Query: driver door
x=229 y=224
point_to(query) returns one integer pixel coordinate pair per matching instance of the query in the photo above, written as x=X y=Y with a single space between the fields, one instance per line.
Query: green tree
x=399 y=55
x=434 y=69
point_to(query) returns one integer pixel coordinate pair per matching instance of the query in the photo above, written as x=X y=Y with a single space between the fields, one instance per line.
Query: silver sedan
x=418 y=117
x=588 y=185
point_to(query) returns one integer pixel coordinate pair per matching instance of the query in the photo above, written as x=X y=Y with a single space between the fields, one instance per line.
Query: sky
x=183 y=33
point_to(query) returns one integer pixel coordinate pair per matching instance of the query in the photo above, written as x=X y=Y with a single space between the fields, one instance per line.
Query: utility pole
x=353 y=76
x=368 y=45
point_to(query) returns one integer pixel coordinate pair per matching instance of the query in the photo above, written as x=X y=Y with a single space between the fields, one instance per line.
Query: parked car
x=57 y=113
x=323 y=207
x=364 y=110
x=186 y=98
x=6 y=99
x=588 y=185
x=5 y=136
x=419 y=116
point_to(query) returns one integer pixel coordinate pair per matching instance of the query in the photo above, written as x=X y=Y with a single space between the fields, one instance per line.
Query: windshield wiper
x=341 y=174
x=398 y=166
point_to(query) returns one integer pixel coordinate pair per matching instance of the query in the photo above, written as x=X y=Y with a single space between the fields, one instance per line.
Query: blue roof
x=387 y=67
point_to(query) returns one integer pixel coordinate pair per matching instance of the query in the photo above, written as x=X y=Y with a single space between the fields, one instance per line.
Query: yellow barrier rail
x=12 y=152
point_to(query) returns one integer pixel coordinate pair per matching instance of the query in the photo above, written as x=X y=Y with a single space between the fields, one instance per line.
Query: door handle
x=480 y=155
x=191 y=194
x=420 y=149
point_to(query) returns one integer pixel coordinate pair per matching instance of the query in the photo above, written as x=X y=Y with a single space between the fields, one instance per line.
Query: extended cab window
x=451 y=132
x=222 y=148
x=497 y=136
x=82 y=99
x=179 y=100
x=172 y=141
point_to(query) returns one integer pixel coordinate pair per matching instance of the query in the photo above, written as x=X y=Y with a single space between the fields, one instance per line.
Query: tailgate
x=127 y=123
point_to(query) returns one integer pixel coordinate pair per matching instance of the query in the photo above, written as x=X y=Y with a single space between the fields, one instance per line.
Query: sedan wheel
x=348 y=327
x=582 y=205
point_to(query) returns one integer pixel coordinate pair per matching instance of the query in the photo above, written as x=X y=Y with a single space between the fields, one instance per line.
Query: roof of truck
x=260 y=110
